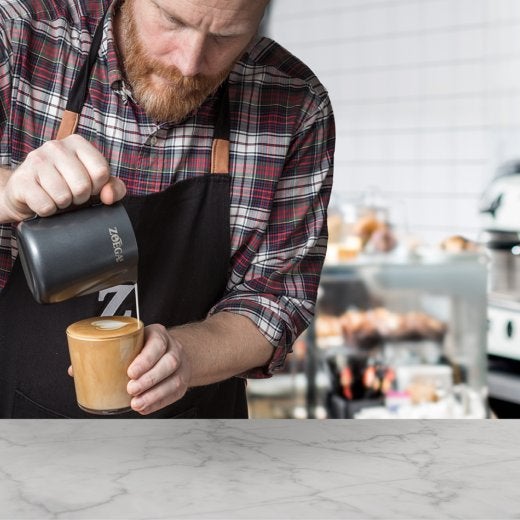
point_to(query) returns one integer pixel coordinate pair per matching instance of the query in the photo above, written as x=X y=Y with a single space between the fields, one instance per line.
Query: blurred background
x=419 y=304
x=426 y=95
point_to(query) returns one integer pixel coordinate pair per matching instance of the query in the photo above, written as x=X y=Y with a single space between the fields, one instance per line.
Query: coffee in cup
x=101 y=350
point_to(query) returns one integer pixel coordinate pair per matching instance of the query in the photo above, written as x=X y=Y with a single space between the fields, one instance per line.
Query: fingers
x=39 y=202
x=156 y=341
x=93 y=162
x=69 y=179
x=167 y=392
x=50 y=181
x=56 y=175
x=159 y=374
x=71 y=170
x=164 y=368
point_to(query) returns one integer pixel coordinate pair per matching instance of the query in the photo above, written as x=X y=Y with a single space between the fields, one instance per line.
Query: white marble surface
x=259 y=469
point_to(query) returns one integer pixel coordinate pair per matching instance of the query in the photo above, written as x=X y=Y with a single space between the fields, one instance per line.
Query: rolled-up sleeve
x=6 y=232
x=5 y=91
x=277 y=290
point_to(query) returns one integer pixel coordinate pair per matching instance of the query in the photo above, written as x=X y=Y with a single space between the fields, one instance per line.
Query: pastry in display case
x=403 y=337
x=359 y=226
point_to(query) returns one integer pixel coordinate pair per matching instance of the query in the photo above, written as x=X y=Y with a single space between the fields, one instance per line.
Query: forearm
x=222 y=346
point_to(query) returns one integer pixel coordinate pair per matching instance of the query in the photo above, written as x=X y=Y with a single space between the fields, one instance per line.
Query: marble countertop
x=150 y=469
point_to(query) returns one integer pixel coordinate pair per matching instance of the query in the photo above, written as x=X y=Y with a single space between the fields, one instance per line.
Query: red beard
x=174 y=96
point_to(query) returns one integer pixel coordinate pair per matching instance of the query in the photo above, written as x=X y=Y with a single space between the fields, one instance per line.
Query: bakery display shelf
x=402 y=338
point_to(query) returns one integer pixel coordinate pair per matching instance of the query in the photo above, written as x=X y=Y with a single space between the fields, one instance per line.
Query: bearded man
x=220 y=145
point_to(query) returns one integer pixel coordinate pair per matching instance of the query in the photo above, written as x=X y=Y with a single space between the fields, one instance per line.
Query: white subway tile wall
x=426 y=95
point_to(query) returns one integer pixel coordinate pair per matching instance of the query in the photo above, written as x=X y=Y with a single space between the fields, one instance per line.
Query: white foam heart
x=109 y=324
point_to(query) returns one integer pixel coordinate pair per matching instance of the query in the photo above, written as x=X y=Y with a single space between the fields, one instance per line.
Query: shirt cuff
x=268 y=316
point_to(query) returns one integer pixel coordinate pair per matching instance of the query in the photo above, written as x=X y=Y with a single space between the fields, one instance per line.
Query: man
x=223 y=144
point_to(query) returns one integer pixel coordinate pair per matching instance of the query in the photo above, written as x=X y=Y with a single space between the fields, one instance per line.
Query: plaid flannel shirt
x=282 y=145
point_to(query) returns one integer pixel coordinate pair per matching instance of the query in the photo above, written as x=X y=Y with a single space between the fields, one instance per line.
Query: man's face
x=177 y=52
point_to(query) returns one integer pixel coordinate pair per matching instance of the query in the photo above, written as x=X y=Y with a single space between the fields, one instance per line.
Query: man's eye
x=218 y=38
x=173 y=21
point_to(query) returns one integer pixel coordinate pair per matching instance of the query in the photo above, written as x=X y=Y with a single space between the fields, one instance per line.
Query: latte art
x=109 y=324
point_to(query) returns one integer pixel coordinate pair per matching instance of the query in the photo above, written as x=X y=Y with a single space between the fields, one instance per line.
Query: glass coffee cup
x=101 y=350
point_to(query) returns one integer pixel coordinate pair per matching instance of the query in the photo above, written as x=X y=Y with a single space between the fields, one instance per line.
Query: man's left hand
x=161 y=372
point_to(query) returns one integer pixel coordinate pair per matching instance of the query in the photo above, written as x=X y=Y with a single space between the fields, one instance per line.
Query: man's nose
x=191 y=57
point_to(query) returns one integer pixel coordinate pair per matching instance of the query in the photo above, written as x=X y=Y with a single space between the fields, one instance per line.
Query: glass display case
x=401 y=337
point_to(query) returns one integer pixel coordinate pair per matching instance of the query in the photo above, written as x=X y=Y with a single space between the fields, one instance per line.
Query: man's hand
x=54 y=176
x=160 y=374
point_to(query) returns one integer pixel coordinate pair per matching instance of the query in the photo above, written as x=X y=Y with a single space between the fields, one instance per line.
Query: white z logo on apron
x=120 y=294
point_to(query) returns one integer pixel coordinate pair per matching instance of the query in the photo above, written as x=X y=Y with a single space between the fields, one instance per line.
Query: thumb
x=112 y=191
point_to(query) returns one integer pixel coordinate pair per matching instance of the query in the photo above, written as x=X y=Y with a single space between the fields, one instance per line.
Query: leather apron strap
x=220 y=148
x=78 y=92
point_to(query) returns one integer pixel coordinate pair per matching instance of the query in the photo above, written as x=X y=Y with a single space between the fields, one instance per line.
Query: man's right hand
x=54 y=176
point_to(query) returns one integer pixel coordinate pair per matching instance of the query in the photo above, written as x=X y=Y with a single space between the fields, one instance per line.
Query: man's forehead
x=224 y=5
x=225 y=17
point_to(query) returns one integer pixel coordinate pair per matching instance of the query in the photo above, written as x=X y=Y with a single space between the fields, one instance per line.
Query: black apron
x=183 y=236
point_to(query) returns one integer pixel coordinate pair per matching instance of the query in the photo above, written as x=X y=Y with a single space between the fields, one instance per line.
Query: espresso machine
x=500 y=222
